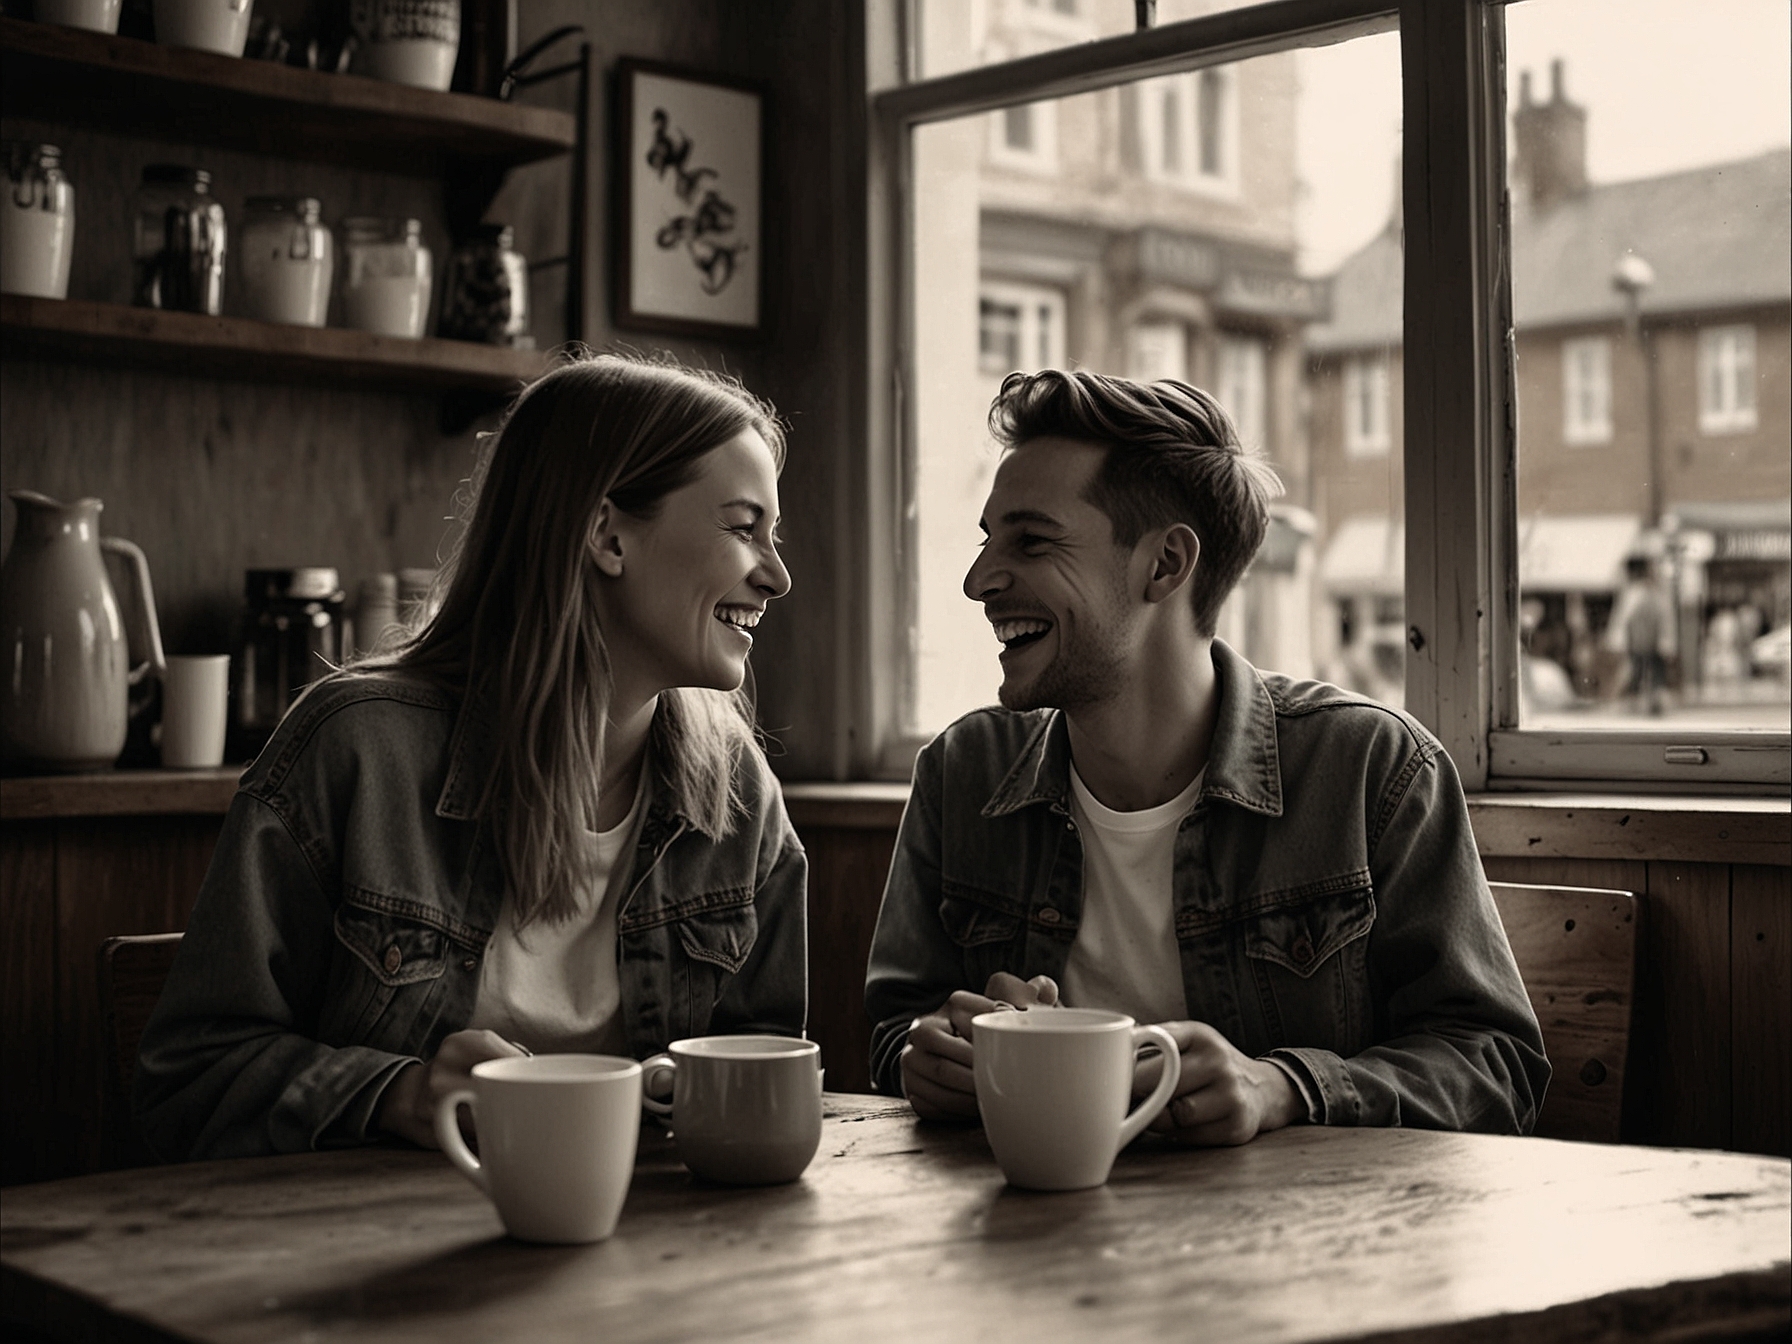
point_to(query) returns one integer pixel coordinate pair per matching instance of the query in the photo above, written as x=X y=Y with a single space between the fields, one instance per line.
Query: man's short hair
x=1173 y=456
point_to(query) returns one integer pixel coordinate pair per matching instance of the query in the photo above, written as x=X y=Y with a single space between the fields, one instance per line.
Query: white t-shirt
x=554 y=987
x=1125 y=956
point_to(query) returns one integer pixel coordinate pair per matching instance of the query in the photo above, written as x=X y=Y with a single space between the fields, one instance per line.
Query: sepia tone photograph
x=1264 y=809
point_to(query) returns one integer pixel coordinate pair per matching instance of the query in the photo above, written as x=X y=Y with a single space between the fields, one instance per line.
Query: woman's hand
x=408 y=1107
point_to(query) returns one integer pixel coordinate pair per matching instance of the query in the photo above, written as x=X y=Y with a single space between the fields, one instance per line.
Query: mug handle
x=448 y=1135
x=650 y=1069
x=1146 y=1111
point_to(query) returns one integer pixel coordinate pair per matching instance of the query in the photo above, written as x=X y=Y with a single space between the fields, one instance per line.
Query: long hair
x=517 y=633
x=1173 y=457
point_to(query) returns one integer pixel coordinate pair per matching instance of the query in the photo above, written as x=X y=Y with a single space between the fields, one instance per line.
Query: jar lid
x=383 y=226
x=307 y=207
x=176 y=174
x=259 y=585
x=501 y=234
x=25 y=149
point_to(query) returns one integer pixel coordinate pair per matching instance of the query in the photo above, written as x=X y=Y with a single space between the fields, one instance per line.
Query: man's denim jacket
x=1330 y=906
x=340 y=930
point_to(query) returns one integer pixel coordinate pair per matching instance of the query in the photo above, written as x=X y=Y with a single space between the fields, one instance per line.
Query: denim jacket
x=1330 y=907
x=339 y=932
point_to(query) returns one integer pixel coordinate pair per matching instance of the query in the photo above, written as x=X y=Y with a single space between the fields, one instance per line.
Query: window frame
x=1368 y=378
x=1192 y=127
x=1588 y=432
x=1716 y=421
x=1458 y=358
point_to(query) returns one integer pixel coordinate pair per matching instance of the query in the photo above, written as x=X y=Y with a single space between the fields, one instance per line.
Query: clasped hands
x=1224 y=1096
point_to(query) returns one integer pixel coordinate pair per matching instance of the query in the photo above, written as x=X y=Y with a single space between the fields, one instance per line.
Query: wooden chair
x=132 y=972
x=1576 y=949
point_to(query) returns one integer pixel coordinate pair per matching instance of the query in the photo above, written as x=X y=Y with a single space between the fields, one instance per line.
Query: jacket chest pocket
x=1309 y=960
x=986 y=931
x=388 y=956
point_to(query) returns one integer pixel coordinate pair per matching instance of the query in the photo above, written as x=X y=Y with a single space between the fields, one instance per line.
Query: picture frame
x=689 y=220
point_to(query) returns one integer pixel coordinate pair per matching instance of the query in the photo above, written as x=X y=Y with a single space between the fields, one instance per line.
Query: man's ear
x=1173 y=561
x=605 y=542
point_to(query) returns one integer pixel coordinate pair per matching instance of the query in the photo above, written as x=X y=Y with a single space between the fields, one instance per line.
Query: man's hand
x=936 y=1062
x=408 y=1105
x=1224 y=1096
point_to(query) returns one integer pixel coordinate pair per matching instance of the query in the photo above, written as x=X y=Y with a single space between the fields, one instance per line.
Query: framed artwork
x=689 y=241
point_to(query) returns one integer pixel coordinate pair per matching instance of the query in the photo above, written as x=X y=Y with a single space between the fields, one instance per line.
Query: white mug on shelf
x=1053 y=1083
x=556 y=1141
x=99 y=15
x=207 y=25
x=410 y=42
x=195 y=698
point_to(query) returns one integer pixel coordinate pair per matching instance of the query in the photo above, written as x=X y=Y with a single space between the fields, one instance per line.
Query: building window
x=1366 y=430
x=1019 y=327
x=1242 y=386
x=1157 y=350
x=1727 y=379
x=1587 y=390
x=1188 y=129
x=1025 y=136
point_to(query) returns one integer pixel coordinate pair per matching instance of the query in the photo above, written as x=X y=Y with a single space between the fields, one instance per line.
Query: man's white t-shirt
x=1125 y=956
x=554 y=987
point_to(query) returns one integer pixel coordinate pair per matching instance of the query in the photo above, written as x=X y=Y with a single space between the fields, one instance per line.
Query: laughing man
x=1279 y=872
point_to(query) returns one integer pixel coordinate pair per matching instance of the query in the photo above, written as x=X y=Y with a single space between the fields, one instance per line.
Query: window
x=1587 y=390
x=1726 y=380
x=1242 y=386
x=1025 y=136
x=1504 y=633
x=1019 y=327
x=1366 y=432
x=1187 y=129
x=1157 y=350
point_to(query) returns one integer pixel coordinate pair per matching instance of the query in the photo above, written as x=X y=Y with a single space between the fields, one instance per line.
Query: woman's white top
x=554 y=987
x=1125 y=957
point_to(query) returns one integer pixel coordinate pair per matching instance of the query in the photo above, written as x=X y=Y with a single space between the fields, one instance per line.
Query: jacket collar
x=1243 y=766
x=470 y=757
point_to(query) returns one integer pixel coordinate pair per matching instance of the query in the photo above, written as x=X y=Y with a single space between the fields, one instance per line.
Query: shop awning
x=1575 y=552
x=1366 y=555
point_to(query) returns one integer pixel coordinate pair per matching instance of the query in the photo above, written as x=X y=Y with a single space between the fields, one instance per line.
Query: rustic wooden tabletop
x=907 y=1232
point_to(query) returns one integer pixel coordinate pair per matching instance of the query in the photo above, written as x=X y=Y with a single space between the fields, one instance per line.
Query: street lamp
x=1631 y=275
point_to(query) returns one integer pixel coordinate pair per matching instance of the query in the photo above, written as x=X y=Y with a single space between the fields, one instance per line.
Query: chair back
x=132 y=972
x=1576 y=951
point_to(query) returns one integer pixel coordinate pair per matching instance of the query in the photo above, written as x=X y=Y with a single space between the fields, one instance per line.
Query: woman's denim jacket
x=1330 y=905
x=339 y=932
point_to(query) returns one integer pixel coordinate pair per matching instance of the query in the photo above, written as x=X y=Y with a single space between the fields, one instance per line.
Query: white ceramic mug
x=195 y=700
x=556 y=1141
x=99 y=15
x=745 y=1109
x=1053 y=1083
x=207 y=25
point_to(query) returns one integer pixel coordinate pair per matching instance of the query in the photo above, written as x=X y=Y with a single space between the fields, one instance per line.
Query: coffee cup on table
x=1053 y=1084
x=745 y=1110
x=556 y=1141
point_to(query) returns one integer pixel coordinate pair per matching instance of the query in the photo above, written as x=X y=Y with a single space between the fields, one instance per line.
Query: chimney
x=1549 y=143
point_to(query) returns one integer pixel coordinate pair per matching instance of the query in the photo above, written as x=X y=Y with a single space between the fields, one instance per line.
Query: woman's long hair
x=517 y=631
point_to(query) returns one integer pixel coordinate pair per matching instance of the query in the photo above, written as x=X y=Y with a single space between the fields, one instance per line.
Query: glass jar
x=287 y=258
x=180 y=241
x=37 y=222
x=486 y=292
x=385 y=276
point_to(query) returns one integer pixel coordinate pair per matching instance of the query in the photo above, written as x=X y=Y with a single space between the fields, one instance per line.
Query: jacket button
x=394 y=959
x=1302 y=949
x=469 y=963
x=1048 y=916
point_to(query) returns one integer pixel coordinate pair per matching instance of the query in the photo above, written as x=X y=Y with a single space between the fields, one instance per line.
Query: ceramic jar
x=66 y=705
x=207 y=25
x=287 y=258
x=99 y=15
x=180 y=241
x=37 y=222
x=386 y=273
x=485 y=294
x=407 y=41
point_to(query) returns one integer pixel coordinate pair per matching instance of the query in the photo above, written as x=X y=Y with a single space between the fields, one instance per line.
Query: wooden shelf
x=238 y=347
x=71 y=75
x=120 y=793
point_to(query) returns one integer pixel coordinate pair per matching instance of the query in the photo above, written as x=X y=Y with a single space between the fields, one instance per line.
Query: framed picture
x=690 y=249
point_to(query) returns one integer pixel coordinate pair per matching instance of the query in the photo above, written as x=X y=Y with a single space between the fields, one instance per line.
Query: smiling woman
x=542 y=824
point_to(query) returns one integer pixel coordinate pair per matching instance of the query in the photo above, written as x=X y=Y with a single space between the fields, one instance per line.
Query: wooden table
x=905 y=1232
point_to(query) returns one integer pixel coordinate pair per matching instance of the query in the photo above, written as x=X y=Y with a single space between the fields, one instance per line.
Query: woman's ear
x=1173 y=562
x=605 y=542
